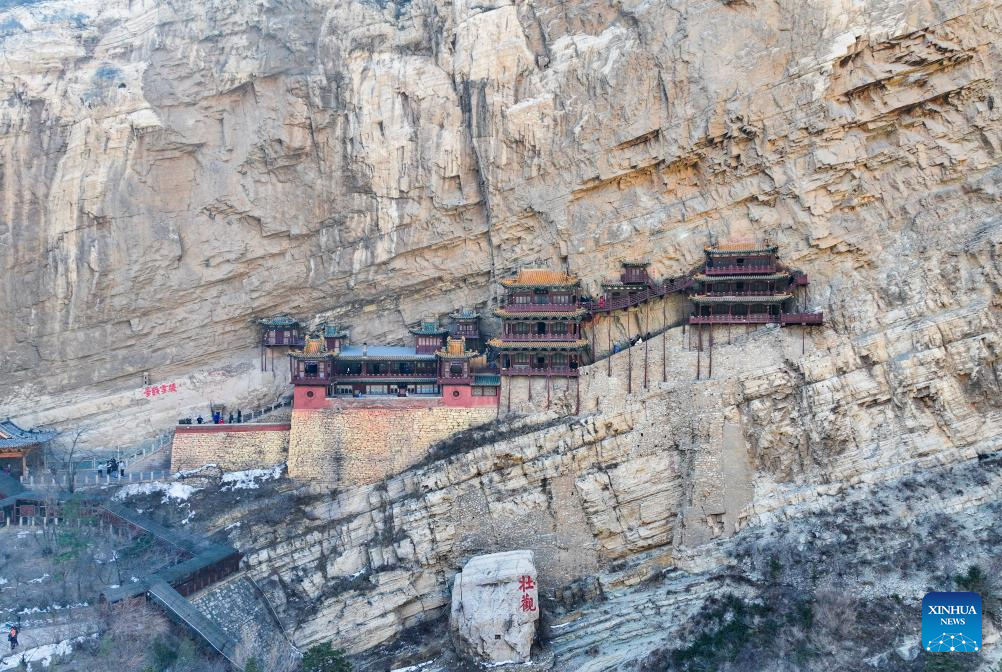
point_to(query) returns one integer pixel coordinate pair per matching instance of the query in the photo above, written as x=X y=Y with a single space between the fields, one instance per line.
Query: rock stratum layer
x=173 y=169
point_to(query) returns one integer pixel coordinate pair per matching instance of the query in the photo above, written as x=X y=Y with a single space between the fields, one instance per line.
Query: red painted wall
x=302 y=400
x=465 y=398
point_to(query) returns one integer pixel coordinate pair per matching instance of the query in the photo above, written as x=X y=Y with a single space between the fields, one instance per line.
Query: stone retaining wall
x=357 y=442
x=232 y=447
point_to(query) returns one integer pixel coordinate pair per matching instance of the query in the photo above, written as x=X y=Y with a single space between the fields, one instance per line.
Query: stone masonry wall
x=234 y=448
x=357 y=443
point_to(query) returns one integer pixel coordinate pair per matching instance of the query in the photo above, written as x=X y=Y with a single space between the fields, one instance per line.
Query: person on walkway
x=12 y=637
x=240 y=416
x=121 y=469
x=230 y=420
x=200 y=419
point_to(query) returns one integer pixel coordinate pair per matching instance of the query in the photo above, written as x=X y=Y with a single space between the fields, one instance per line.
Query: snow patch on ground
x=172 y=491
x=247 y=480
x=40 y=654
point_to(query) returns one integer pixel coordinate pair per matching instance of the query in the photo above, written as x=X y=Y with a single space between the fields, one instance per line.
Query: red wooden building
x=540 y=325
x=21 y=450
x=467 y=326
x=330 y=366
x=744 y=283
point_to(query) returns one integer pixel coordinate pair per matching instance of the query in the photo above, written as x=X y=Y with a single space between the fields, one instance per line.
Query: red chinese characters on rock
x=157 y=390
x=525 y=584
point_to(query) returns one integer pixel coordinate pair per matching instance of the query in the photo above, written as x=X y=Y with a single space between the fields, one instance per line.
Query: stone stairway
x=240 y=610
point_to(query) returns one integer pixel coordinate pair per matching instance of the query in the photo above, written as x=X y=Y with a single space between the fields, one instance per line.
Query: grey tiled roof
x=12 y=436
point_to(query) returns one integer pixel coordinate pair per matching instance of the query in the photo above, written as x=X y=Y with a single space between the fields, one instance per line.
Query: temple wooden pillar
x=699 y=351
x=647 y=337
x=608 y=356
x=664 y=341
x=709 y=371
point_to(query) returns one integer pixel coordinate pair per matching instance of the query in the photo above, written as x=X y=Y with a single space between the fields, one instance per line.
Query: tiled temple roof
x=537 y=345
x=429 y=328
x=335 y=331
x=396 y=352
x=748 y=298
x=279 y=321
x=540 y=277
x=563 y=314
x=736 y=247
x=12 y=436
x=487 y=379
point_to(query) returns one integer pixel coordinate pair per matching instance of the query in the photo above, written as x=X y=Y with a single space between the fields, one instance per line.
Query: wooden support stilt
x=699 y=352
x=629 y=366
x=647 y=337
x=664 y=342
x=529 y=378
x=803 y=340
x=509 y=393
x=608 y=357
x=728 y=333
x=594 y=326
x=577 y=396
x=709 y=369
x=547 y=391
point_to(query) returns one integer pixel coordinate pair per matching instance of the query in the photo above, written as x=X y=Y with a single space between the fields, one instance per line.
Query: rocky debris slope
x=178 y=168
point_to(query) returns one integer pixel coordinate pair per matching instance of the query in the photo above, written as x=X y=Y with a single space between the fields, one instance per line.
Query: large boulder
x=495 y=607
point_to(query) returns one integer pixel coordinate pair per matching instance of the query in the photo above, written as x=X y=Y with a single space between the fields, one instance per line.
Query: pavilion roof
x=384 y=352
x=12 y=436
x=279 y=321
x=429 y=328
x=537 y=345
x=465 y=315
x=530 y=315
x=702 y=277
x=540 y=277
x=487 y=379
x=732 y=248
x=335 y=331
x=744 y=298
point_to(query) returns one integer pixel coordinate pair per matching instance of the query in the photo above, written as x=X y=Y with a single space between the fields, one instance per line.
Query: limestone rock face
x=495 y=607
x=174 y=169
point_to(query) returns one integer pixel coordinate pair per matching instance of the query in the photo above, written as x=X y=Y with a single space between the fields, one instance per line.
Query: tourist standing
x=12 y=637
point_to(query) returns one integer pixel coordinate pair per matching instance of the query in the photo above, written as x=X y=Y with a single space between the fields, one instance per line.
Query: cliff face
x=173 y=169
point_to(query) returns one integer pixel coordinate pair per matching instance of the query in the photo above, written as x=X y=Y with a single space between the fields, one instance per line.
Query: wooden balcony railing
x=802 y=318
x=316 y=379
x=741 y=270
x=531 y=371
x=558 y=338
x=412 y=374
x=764 y=292
x=756 y=318
x=540 y=307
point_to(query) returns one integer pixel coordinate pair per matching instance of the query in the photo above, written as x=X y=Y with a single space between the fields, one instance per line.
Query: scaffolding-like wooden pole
x=608 y=355
x=629 y=354
x=664 y=340
x=699 y=350
x=647 y=337
x=709 y=371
